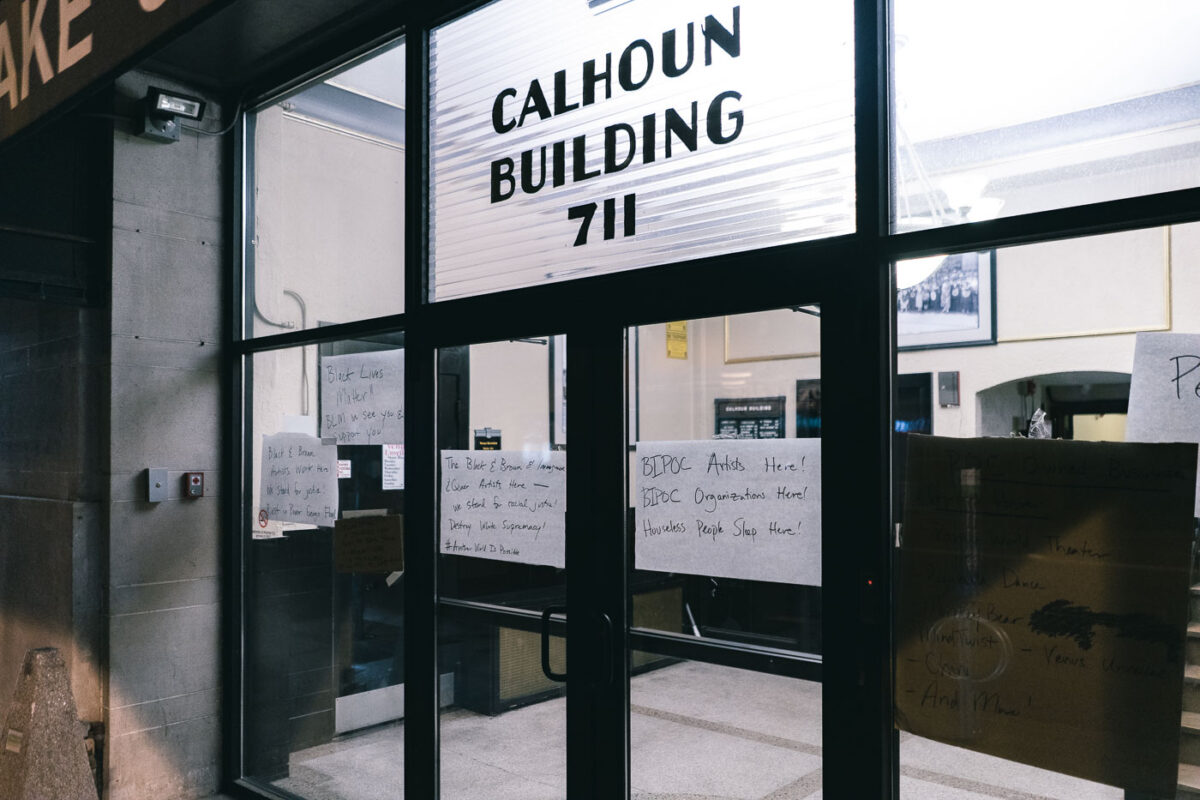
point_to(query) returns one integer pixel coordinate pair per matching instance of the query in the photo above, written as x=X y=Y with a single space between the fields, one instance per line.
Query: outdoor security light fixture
x=161 y=111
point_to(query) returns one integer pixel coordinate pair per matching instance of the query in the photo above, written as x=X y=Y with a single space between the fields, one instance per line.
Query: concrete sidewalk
x=699 y=732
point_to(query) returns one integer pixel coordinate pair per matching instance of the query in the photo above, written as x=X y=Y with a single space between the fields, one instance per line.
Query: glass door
x=681 y=490
x=724 y=530
x=502 y=488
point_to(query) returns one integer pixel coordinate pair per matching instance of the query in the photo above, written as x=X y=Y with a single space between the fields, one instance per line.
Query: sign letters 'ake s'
x=51 y=51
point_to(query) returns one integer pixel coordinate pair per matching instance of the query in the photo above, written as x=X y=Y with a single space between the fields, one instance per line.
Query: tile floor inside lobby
x=699 y=732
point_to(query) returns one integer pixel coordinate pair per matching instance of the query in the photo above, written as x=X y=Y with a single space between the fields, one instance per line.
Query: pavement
x=698 y=732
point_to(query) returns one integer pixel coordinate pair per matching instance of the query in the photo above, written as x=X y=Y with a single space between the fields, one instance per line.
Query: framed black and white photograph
x=946 y=301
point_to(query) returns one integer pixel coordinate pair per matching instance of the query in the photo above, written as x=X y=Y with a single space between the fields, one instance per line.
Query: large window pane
x=1044 y=553
x=324 y=639
x=325 y=200
x=1009 y=108
x=578 y=138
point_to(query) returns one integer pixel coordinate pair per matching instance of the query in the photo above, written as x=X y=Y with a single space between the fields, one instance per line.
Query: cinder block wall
x=53 y=205
x=51 y=534
x=164 y=396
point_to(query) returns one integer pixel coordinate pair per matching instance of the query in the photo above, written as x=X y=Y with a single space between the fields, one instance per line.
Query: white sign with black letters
x=362 y=397
x=730 y=508
x=299 y=480
x=507 y=505
x=657 y=131
x=1164 y=392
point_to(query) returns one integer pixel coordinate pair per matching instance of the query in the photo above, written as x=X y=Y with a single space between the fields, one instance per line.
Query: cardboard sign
x=373 y=545
x=1164 y=393
x=730 y=508
x=298 y=481
x=506 y=505
x=1043 y=600
x=362 y=397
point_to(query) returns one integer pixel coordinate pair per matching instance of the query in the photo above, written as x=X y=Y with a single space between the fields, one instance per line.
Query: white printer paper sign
x=730 y=508
x=1164 y=394
x=506 y=505
x=299 y=480
x=362 y=397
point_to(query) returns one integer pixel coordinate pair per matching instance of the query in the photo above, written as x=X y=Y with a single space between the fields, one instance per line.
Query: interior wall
x=1082 y=289
x=667 y=408
x=677 y=396
x=168 y=298
x=328 y=223
x=510 y=390
x=1089 y=282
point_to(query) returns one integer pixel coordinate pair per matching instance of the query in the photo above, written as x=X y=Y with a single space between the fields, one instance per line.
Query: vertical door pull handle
x=549 y=673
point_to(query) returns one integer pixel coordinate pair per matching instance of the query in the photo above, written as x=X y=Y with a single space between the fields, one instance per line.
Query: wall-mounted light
x=161 y=111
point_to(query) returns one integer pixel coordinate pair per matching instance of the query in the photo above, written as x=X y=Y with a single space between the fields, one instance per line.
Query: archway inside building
x=1086 y=405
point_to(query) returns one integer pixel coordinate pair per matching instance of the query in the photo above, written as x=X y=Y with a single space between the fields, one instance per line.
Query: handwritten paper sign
x=1164 y=393
x=299 y=480
x=362 y=397
x=1042 y=603
x=506 y=505
x=730 y=508
x=369 y=545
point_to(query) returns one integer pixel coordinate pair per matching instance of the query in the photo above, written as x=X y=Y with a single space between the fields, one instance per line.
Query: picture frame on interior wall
x=946 y=301
x=558 y=392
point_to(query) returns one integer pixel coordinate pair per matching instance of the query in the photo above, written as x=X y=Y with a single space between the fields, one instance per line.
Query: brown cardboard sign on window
x=1042 y=603
x=369 y=544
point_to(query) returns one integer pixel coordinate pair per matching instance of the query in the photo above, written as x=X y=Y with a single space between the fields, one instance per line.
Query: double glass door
x=629 y=589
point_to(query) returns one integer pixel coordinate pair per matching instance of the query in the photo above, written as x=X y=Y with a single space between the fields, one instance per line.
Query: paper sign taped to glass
x=1042 y=602
x=1164 y=391
x=732 y=508
x=505 y=505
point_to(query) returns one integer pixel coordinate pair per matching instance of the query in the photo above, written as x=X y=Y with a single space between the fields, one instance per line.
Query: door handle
x=549 y=673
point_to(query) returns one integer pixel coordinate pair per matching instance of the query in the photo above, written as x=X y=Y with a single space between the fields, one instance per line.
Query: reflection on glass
x=324 y=699
x=325 y=199
x=996 y=117
x=725 y=529
x=502 y=538
x=1040 y=527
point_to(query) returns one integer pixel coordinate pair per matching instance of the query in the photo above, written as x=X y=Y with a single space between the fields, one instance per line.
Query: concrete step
x=1189 y=782
x=1194 y=603
x=1189 y=739
x=1193 y=643
x=1191 y=688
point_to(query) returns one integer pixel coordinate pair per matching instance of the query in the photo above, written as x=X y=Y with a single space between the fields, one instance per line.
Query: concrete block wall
x=51 y=527
x=168 y=289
